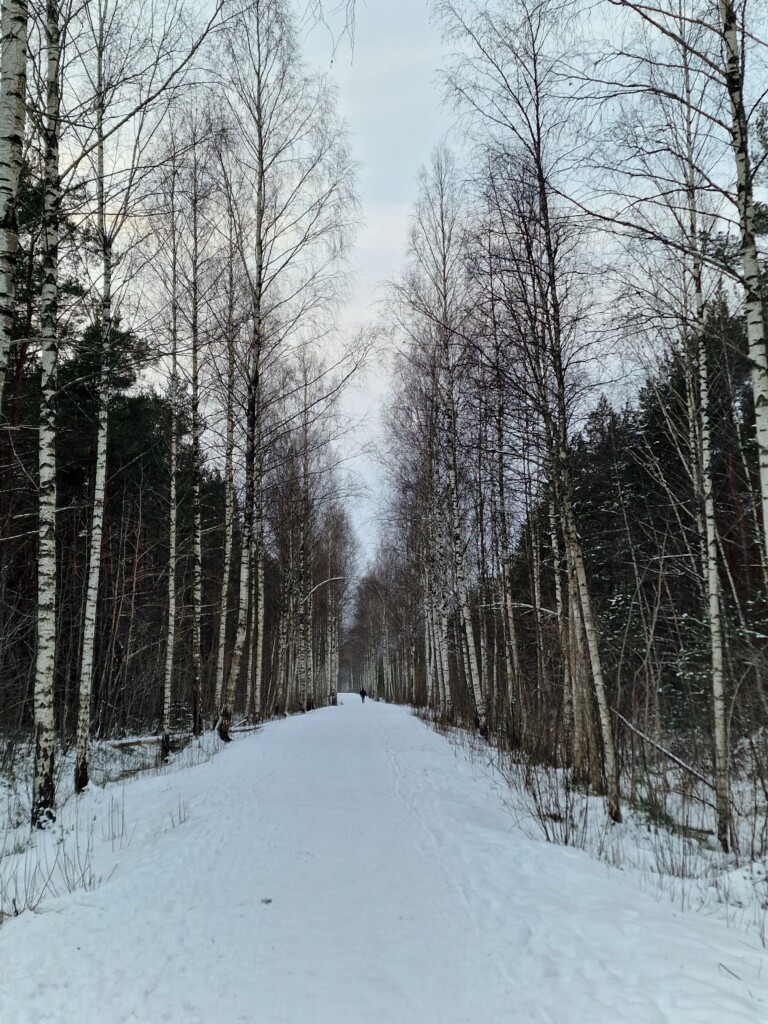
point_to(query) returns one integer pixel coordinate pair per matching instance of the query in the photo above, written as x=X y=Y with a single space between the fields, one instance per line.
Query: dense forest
x=572 y=550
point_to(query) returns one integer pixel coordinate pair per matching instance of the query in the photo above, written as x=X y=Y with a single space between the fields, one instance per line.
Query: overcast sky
x=389 y=95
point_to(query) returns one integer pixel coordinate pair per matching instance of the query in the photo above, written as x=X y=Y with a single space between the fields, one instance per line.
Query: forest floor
x=350 y=866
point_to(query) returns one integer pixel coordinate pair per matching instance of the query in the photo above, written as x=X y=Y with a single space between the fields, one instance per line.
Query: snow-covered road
x=350 y=867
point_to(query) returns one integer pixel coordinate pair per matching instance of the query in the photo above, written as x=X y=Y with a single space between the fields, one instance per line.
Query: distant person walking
x=363 y=695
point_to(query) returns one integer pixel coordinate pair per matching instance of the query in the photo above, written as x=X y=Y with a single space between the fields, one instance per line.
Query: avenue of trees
x=176 y=199
x=574 y=555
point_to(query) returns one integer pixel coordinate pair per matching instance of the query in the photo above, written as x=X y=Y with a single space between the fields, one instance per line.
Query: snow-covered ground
x=351 y=866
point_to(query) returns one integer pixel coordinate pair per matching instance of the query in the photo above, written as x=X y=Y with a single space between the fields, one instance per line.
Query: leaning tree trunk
x=577 y=566
x=43 y=784
x=13 y=91
x=92 y=592
x=97 y=519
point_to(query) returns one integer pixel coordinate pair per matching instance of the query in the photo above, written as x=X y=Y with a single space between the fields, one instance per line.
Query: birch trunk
x=229 y=495
x=258 y=669
x=336 y=652
x=412 y=670
x=43 y=784
x=165 y=727
x=197 y=515
x=13 y=92
x=441 y=605
x=225 y=714
x=574 y=729
x=559 y=449
x=329 y=651
x=302 y=613
x=92 y=590
x=427 y=616
x=481 y=719
x=706 y=483
x=282 y=653
x=250 y=641
x=511 y=650
x=590 y=630
x=722 y=784
x=758 y=357
x=253 y=417
x=97 y=514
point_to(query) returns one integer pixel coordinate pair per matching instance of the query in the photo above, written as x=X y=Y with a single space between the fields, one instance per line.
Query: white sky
x=389 y=95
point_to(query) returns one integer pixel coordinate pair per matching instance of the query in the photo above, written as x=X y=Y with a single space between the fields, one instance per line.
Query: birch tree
x=722 y=47
x=134 y=66
x=107 y=26
x=676 y=210
x=43 y=794
x=292 y=158
x=437 y=294
x=170 y=650
x=511 y=78
x=13 y=85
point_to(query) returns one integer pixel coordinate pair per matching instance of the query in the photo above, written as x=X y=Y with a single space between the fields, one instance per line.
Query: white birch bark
x=170 y=641
x=197 y=427
x=582 y=753
x=441 y=606
x=282 y=668
x=43 y=783
x=461 y=585
x=336 y=653
x=13 y=90
x=722 y=784
x=225 y=713
x=99 y=490
x=256 y=280
x=329 y=651
x=258 y=669
x=429 y=667
x=573 y=721
x=412 y=671
x=755 y=312
x=302 y=617
x=590 y=630
x=706 y=477
x=229 y=485
x=225 y=716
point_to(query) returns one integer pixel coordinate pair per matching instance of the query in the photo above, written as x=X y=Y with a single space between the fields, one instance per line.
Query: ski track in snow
x=348 y=866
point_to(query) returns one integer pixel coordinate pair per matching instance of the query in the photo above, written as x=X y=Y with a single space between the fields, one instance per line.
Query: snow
x=352 y=866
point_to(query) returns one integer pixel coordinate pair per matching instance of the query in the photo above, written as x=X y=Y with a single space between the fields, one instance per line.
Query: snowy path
x=349 y=867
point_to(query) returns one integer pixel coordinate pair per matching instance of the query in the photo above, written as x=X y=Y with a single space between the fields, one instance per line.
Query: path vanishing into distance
x=352 y=866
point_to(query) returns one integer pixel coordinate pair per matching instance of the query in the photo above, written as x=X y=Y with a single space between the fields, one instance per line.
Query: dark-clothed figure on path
x=363 y=695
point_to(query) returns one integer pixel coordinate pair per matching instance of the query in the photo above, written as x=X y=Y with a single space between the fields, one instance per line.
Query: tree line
x=574 y=557
x=177 y=197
